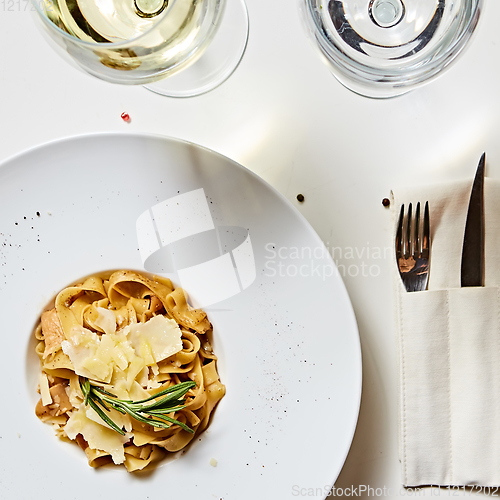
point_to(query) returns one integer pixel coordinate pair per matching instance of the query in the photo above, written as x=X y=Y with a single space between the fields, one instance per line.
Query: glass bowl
x=385 y=48
x=117 y=42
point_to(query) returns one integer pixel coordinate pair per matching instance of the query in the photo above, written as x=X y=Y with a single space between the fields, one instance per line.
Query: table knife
x=472 y=272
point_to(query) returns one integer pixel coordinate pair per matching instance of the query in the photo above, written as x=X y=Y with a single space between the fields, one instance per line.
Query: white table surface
x=285 y=117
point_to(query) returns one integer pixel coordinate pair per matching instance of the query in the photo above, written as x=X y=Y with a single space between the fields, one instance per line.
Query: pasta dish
x=127 y=369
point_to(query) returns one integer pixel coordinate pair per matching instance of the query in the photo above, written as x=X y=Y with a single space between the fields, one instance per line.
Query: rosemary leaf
x=164 y=411
x=102 y=391
x=176 y=422
x=106 y=419
x=189 y=385
x=155 y=413
x=171 y=399
x=149 y=421
x=85 y=387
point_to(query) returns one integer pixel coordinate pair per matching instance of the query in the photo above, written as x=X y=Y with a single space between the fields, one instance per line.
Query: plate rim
x=166 y=138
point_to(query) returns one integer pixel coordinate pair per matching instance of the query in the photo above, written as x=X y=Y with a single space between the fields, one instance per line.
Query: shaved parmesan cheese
x=137 y=393
x=158 y=339
x=97 y=436
x=44 y=390
x=122 y=421
x=143 y=377
x=82 y=349
x=131 y=350
x=106 y=320
x=135 y=367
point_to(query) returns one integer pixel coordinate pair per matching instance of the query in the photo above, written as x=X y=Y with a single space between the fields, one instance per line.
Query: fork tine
x=427 y=232
x=407 y=242
x=399 y=234
x=416 y=232
x=413 y=247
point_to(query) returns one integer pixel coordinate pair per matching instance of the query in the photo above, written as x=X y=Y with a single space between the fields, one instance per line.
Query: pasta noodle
x=132 y=337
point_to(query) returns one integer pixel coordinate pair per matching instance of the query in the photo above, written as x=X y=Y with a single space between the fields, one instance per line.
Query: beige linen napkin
x=449 y=349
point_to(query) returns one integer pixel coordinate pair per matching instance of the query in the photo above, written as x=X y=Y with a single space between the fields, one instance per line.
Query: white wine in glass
x=138 y=41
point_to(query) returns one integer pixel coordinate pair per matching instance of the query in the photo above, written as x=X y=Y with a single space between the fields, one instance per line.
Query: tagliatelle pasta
x=129 y=337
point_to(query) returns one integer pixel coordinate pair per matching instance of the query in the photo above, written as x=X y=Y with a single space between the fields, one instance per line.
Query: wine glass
x=152 y=42
x=384 y=48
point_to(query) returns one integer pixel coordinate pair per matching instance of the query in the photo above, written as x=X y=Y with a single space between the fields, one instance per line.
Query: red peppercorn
x=125 y=117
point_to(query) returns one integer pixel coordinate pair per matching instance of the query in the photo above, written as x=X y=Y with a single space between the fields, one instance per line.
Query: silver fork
x=413 y=248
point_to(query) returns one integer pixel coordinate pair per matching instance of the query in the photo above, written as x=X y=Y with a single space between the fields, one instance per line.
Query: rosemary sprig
x=152 y=411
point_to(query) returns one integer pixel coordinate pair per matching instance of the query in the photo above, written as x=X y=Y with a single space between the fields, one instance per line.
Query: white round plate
x=286 y=338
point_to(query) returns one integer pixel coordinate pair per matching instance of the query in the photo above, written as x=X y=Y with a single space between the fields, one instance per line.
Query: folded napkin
x=449 y=349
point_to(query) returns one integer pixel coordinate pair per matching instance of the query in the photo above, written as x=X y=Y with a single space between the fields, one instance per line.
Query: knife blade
x=472 y=271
